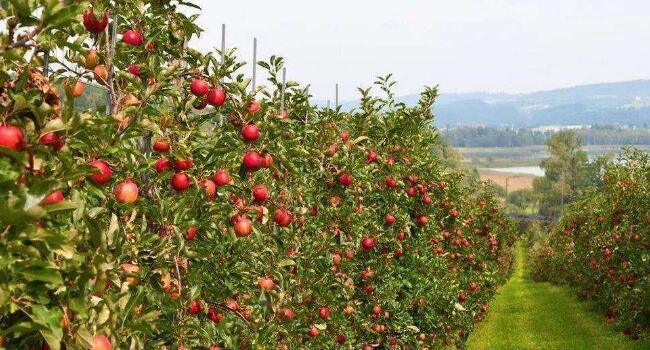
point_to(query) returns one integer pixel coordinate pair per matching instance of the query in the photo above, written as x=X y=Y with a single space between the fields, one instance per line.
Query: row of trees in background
x=507 y=137
x=601 y=244
x=200 y=212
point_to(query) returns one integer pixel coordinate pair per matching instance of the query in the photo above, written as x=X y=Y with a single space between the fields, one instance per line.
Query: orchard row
x=200 y=215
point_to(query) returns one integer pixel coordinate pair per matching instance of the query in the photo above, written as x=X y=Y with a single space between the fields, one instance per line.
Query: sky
x=511 y=46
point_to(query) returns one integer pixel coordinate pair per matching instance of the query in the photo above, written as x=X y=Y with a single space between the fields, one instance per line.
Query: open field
x=495 y=157
x=515 y=181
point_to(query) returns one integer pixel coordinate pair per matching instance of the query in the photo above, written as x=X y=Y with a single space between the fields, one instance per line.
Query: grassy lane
x=532 y=315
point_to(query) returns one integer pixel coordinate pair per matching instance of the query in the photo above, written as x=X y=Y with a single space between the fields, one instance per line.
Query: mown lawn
x=533 y=315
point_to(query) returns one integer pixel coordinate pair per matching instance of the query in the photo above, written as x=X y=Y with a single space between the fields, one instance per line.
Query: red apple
x=221 y=178
x=91 y=22
x=133 y=37
x=199 y=87
x=190 y=233
x=313 y=332
x=367 y=243
x=52 y=198
x=163 y=164
x=253 y=107
x=389 y=219
x=252 y=160
x=134 y=69
x=344 y=136
x=104 y=174
x=194 y=308
x=242 y=225
x=11 y=137
x=282 y=217
x=345 y=179
x=180 y=182
x=267 y=160
x=52 y=140
x=160 y=146
x=260 y=193
x=216 y=97
x=265 y=283
x=184 y=164
x=101 y=342
x=210 y=188
x=324 y=313
x=250 y=132
x=126 y=191
x=390 y=182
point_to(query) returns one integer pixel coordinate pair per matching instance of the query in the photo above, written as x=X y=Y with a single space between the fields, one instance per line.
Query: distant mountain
x=625 y=103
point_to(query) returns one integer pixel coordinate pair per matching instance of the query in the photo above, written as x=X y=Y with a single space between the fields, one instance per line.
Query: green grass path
x=533 y=315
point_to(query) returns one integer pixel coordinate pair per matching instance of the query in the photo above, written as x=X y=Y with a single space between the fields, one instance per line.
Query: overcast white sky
x=463 y=45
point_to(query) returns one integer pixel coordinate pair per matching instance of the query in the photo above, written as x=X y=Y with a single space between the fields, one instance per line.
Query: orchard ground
x=533 y=315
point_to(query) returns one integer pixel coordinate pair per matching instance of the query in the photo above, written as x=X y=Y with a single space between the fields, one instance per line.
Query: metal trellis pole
x=336 y=98
x=254 y=63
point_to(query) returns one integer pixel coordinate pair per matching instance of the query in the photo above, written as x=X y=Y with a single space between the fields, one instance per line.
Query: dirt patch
x=515 y=181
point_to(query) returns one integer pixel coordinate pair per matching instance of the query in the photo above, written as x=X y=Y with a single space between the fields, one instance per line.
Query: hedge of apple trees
x=191 y=213
x=601 y=245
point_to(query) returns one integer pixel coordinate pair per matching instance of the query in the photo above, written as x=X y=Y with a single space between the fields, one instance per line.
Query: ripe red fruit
x=372 y=156
x=252 y=160
x=53 y=140
x=101 y=342
x=253 y=107
x=462 y=297
x=194 y=308
x=340 y=338
x=216 y=97
x=454 y=213
x=190 y=234
x=250 y=132
x=134 y=69
x=163 y=164
x=282 y=217
x=426 y=200
x=324 y=313
x=288 y=313
x=52 y=198
x=313 y=332
x=344 y=136
x=210 y=188
x=126 y=191
x=473 y=287
x=390 y=182
x=265 y=283
x=367 y=243
x=91 y=22
x=260 y=193
x=213 y=315
x=242 y=225
x=389 y=219
x=410 y=191
x=422 y=220
x=267 y=160
x=184 y=164
x=132 y=37
x=180 y=182
x=160 y=146
x=221 y=178
x=345 y=179
x=199 y=87
x=11 y=137
x=104 y=174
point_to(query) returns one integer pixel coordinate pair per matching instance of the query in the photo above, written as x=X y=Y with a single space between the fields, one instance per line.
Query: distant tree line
x=506 y=137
